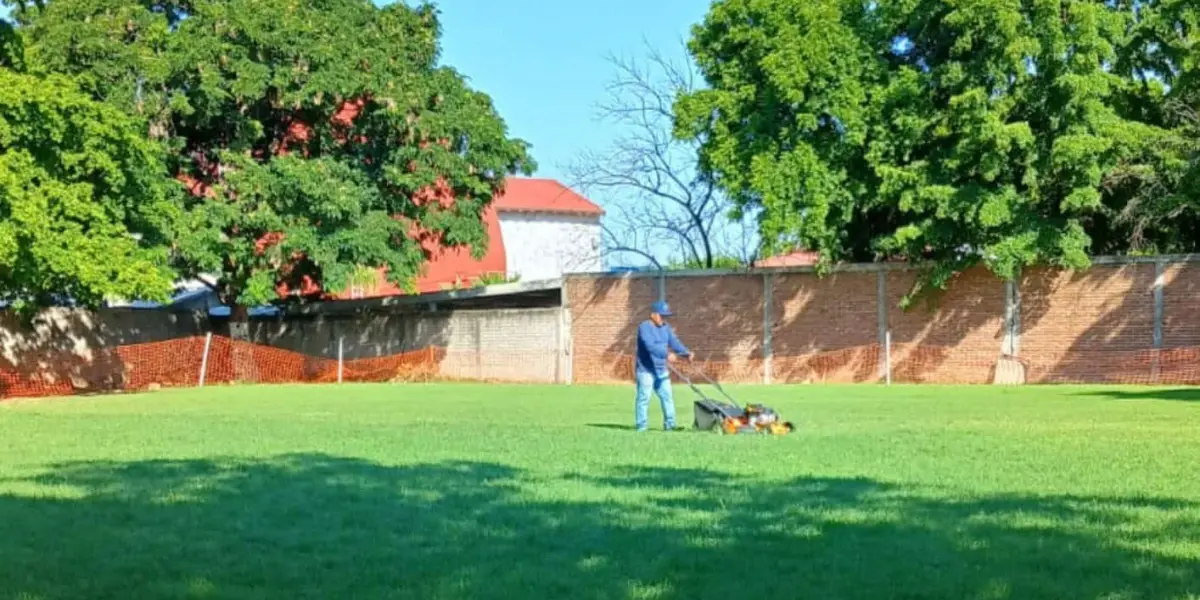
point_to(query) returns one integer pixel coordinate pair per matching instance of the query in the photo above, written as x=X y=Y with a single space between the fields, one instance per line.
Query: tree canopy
x=953 y=133
x=315 y=138
x=85 y=211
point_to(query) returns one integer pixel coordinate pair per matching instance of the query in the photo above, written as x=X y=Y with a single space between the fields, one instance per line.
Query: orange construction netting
x=180 y=363
x=927 y=364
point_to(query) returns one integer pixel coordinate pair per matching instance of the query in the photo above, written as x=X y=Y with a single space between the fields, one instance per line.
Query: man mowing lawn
x=656 y=340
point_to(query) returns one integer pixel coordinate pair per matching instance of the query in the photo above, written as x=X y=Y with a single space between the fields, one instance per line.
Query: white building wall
x=545 y=246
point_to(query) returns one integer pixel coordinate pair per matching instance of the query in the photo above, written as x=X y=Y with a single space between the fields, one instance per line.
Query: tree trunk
x=245 y=369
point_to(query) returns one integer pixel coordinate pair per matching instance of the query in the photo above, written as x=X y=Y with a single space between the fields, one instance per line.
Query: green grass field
x=542 y=492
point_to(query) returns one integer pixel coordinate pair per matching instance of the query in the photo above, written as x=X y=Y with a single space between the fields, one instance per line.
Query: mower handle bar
x=708 y=379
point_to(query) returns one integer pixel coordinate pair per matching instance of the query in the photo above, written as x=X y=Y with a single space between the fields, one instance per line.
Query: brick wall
x=66 y=351
x=1093 y=326
x=62 y=349
x=498 y=345
x=954 y=338
x=489 y=345
x=720 y=319
x=605 y=313
x=1135 y=322
x=823 y=330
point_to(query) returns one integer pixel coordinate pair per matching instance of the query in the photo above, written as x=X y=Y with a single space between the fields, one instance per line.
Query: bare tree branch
x=614 y=247
x=659 y=207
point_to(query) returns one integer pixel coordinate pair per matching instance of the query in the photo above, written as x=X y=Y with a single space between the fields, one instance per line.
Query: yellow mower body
x=732 y=425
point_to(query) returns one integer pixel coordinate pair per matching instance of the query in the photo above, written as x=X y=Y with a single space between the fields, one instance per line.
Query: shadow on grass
x=319 y=526
x=1175 y=395
x=612 y=426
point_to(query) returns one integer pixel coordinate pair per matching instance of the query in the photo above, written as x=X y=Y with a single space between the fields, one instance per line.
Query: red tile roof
x=799 y=258
x=447 y=267
x=543 y=196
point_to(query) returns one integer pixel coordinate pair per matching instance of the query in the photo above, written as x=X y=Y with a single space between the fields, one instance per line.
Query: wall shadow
x=321 y=526
x=720 y=319
x=1093 y=326
x=826 y=330
x=1076 y=329
x=64 y=351
x=374 y=347
x=365 y=334
x=605 y=313
x=823 y=329
x=1097 y=326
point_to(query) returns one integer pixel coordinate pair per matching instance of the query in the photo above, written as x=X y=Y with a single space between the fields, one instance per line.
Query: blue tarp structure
x=198 y=299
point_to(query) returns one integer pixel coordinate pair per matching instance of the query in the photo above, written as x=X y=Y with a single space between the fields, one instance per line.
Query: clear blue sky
x=543 y=61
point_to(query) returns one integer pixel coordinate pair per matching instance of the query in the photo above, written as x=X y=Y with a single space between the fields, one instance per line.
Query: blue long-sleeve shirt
x=653 y=343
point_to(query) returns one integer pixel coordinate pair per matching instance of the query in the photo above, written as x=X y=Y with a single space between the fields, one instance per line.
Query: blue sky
x=543 y=61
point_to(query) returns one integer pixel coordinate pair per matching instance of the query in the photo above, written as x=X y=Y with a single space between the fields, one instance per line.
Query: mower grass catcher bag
x=710 y=414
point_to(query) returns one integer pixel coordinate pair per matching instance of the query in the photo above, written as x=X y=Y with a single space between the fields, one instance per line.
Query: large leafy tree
x=317 y=138
x=949 y=132
x=86 y=212
x=1162 y=54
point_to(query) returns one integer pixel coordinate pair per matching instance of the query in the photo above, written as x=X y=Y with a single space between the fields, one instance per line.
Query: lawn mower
x=727 y=418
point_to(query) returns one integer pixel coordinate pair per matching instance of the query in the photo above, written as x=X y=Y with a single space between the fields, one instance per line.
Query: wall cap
x=856 y=268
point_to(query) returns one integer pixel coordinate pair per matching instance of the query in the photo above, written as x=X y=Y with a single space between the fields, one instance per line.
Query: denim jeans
x=661 y=386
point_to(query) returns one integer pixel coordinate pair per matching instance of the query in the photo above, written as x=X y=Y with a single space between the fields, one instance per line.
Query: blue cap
x=661 y=307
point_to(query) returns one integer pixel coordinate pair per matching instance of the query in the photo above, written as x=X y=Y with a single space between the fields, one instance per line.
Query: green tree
x=946 y=132
x=717 y=262
x=86 y=210
x=317 y=137
x=1161 y=208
